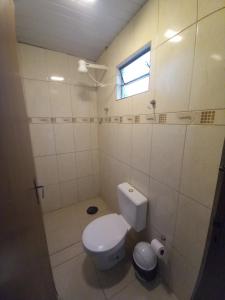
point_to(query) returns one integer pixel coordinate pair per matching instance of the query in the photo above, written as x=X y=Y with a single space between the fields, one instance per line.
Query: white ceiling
x=78 y=27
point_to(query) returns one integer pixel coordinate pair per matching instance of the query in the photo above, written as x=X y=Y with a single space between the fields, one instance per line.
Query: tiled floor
x=75 y=275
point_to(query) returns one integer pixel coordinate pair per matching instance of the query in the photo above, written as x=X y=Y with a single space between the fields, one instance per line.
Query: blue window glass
x=134 y=75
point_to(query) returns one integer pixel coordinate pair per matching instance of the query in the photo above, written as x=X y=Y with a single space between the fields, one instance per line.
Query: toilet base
x=108 y=260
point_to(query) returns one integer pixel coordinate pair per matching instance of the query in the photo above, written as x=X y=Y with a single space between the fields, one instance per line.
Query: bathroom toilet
x=104 y=238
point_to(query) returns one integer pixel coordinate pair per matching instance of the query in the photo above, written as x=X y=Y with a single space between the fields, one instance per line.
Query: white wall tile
x=67 y=166
x=140 y=181
x=141 y=102
x=95 y=161
x=88 y=187
x=208 y=88
x=94 y=135
x=181 y=276
x=57 y=65
x=120 y=107
x=110 y=138
x=174 y=71
x=206 y=7
x=32 y=62
x=73 y=69
x=64 y=138
x=202 y=156
x=120 y=172
x=191 y=230
x=81 y=102
x=60 y=100
x=141 y=145
x=53 y=99
x=46 y=170
x=69 y=193
x=84 y=163
x=51 y=200
x=163 y=203
x=145 y=24
x=175 y=15
x=166 y=155
x=42 y=139
x=122 y=142
x=37 y=99
x=82 y=136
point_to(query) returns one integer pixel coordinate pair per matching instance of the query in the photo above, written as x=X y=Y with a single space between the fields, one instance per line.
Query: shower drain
x=92 y=210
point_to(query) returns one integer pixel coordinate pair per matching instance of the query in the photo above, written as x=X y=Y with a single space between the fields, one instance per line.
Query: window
x=133 y=76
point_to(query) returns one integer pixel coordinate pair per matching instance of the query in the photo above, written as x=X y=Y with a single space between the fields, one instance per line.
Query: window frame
x=122 y=84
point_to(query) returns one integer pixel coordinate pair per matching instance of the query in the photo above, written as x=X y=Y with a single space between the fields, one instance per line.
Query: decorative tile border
x=206 y=117
x=162 y=118
x=43 y=120
x=62 y=120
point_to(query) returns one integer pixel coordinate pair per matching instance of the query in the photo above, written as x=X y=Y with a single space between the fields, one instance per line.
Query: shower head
x=83 y=66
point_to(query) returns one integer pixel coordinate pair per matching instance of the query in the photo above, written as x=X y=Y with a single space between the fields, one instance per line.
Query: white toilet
x=104 y=238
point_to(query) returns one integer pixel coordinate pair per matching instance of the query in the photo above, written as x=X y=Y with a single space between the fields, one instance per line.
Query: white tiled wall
x=65 y=152
x=175 y=164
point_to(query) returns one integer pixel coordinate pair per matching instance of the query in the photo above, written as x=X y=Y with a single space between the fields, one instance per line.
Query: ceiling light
x=57 y=78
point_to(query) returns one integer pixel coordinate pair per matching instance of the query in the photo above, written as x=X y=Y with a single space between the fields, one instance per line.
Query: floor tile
x=75 y=275
x=136 y=290
x=89 y=218
x=64 y=227
x=76 y=279
x=66 y=254
x=114 y=280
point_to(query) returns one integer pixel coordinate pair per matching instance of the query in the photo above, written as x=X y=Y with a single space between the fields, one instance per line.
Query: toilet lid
x=104 y=233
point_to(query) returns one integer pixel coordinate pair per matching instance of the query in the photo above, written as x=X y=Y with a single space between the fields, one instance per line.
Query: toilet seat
x=104 y=233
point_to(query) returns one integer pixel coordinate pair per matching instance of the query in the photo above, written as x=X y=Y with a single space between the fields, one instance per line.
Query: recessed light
x=57 y=78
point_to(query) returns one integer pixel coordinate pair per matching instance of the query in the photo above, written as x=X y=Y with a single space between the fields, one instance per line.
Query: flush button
x=131 y=190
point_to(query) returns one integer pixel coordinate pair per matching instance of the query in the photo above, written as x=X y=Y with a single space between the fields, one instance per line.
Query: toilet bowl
x=104 y=238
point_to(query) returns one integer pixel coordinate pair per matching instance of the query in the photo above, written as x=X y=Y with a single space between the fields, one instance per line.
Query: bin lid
x=144 y=256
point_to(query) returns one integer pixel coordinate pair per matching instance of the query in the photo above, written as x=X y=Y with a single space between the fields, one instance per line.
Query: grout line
x=179 y=32
x=193 y=64
x=179 y=183
x=187 y=27
x=122 y=288
x=65 y=248
x=58 y=209
x=211 y=13
x=67 y=260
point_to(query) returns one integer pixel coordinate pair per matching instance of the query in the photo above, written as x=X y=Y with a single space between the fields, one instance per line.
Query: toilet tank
x=132 y=205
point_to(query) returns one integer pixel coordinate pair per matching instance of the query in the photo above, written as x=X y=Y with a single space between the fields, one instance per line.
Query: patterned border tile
x=204 y=117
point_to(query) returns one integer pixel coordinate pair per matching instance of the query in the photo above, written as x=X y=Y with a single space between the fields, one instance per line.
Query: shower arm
x=96 y=66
